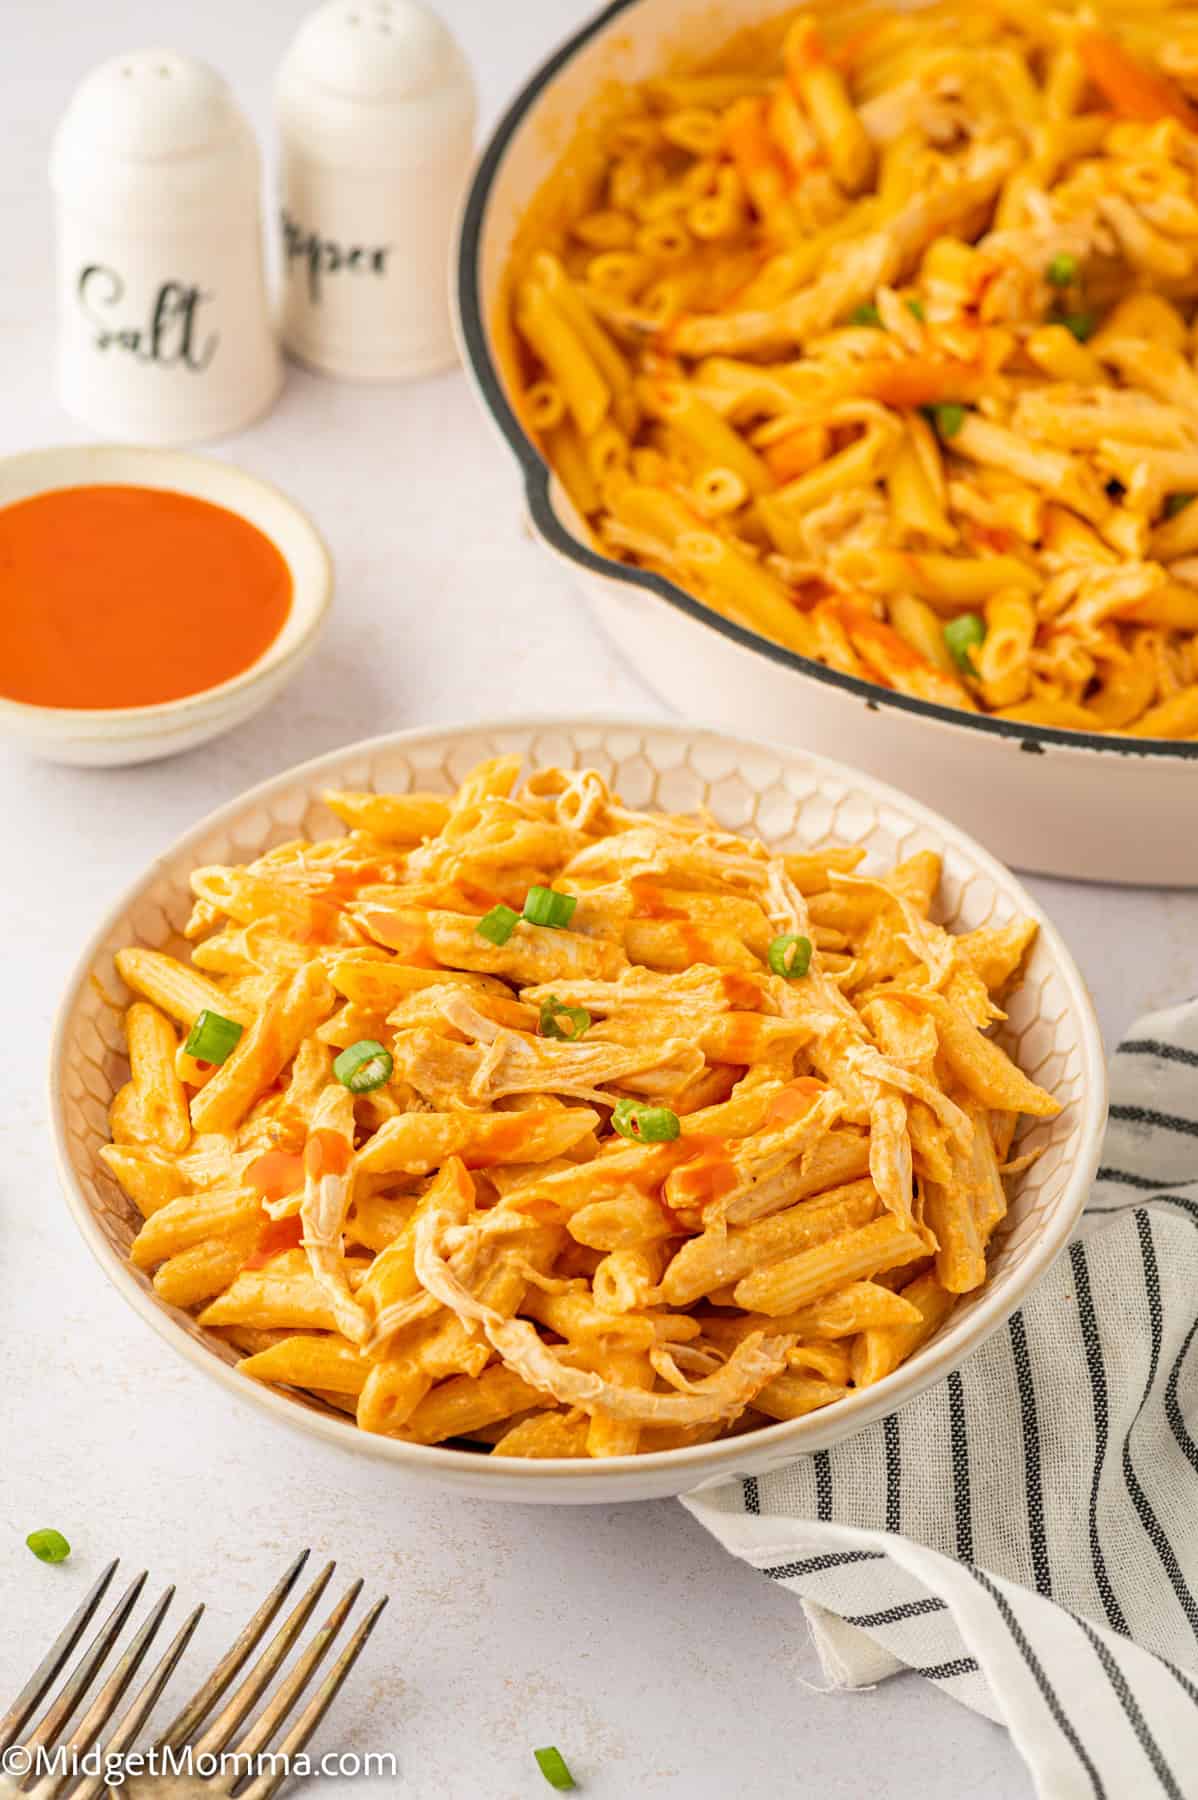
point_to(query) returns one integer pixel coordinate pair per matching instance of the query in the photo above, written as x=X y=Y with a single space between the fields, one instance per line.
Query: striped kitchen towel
x=1026 y=1533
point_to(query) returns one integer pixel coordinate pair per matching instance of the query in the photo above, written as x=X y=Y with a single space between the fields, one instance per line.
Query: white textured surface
x=624 y=1635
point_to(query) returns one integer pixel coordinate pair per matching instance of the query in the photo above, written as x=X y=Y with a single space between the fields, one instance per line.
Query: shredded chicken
x=721 y=1396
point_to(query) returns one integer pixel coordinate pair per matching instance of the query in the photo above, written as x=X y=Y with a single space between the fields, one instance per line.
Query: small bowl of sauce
x=148 y=600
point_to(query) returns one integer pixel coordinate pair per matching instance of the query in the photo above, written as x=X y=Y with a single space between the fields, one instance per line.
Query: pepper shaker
x=164 y=327
x=375 y=108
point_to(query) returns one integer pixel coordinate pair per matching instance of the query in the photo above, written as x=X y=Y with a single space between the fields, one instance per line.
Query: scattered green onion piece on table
x=545 y=906
x=789 y=956
x=48 y=1546
x=645 y=1124
x=498 y=925
x=561 y=1021
x=915 y=308
x=1176 y=503
x=1080 y=324
x=552 y=1765
x=364 y=1066
x=948 y=418
x=865 y=315
x=963 y=634
x=213 y=1038
x=1062 y=269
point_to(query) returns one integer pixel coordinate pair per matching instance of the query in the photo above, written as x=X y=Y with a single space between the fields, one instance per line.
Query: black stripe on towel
x=823 y=1484
x=1173 y=1199
x=1032 y=1476
x=1145 y=1115
x=752 y=1494
x=1173 y=1410
x=959 y=1440
x=1140 y=1500
x=1047 y=1691
x=964 y=1665
x=814 y=1565
x=1135 y=1717
x=892 y=1615
x=894 y=1509
x=1152 y=1047
x=1160 y=1198
x=1183 y=1681
x=1097 y=1368
x=1123 y=1178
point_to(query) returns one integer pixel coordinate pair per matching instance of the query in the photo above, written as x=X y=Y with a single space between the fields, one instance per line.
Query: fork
x=185 y=1730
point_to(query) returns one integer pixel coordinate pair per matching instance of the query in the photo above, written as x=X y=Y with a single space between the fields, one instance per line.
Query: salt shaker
x=375 y=109
x=165 y=332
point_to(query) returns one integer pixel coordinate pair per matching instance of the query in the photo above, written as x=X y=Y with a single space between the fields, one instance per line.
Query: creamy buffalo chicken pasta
x=878 y=335
x=530 y=1120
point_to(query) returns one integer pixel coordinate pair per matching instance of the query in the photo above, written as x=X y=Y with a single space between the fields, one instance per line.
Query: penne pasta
x=899 y=311
x=646 y=1151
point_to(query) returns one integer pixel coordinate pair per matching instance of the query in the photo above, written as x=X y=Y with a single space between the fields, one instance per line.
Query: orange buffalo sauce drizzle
x=276 y=1173
x=128 y=596
x=406 y=934
x=648 y=901
x=742 y=992
x=707 y=1177
x=326 y=1153
x=276 y=1236
x=792 y=1101
x=741 y=1036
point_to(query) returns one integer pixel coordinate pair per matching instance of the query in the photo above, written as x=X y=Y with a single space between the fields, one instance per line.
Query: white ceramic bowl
x=132 y=734
x=1065 y=802
x=785 y=796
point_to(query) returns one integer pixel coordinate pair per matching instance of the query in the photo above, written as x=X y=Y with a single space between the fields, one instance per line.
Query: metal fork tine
x=54 y=1660
x=263 y=1671
x=198 y=1708
x=139 y=1708
x=272 y=1717
x=87 y=1669
x=264 y=1786
x=112 y=1693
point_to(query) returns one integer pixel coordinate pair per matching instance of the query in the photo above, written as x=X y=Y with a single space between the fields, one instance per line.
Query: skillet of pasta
x=877 y=335
x=530 y=1122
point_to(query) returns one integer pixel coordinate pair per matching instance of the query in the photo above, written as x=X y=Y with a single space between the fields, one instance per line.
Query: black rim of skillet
x=1034 y=738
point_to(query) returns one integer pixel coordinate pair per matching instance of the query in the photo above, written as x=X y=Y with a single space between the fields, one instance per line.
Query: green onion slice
x=915 y=308
x=213 y=1038
x=963 y=634
x=48 y=1546
x=552 y=1765
x=561 y=1021
x=498 y=925
x=1176 y=503
x=645 y=1124
x=789 y=956
x=545 y=906
x=1062 y=270
x=865 y=315
x=364 y=1066
x=1080 y=324
x=948 y=418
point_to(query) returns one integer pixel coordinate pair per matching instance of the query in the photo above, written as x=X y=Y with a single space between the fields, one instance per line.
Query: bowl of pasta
x=576 y=1111
x=848 y=358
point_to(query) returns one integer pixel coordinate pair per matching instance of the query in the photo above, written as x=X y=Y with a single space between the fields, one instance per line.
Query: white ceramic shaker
x=165 y=332
x=376 y=110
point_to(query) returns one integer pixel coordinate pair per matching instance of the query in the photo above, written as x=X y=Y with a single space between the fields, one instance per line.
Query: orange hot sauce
x=127 y=596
